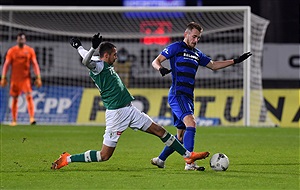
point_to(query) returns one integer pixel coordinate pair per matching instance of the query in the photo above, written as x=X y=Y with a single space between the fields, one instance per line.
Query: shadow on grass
x=268 y=164
x=264 y=172
x=76 y=169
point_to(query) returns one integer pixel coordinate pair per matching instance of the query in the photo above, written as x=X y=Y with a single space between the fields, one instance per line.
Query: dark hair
x=195 y=25
x=106 y=47
x=21 y=34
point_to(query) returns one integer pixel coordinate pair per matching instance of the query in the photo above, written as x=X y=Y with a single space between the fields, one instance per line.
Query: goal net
x=232 y=96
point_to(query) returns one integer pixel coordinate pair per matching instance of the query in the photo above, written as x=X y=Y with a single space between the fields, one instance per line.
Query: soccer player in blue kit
x=184 y=61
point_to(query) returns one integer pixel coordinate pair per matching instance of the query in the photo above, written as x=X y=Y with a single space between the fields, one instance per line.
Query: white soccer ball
x=219 y=162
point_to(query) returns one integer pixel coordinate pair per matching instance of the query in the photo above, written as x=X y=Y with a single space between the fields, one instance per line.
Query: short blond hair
x=193 y=25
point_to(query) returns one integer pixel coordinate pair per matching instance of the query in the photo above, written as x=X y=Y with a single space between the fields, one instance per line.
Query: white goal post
x=140 y=33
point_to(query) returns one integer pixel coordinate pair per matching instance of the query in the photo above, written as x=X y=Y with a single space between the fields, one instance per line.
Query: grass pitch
x=260 y=158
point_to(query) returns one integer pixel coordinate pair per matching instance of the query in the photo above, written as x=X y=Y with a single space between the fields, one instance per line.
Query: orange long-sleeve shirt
x=20 y=60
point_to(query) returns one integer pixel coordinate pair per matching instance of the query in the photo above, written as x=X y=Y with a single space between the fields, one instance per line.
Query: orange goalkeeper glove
x=38 y=82
x=3 y=82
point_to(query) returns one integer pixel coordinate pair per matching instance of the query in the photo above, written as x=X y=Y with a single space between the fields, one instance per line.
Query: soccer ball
x=219 y=162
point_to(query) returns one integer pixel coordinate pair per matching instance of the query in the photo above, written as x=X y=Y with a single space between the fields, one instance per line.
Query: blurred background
x=282 y=30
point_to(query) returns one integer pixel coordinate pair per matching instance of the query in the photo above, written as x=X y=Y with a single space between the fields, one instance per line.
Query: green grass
x=260 y=158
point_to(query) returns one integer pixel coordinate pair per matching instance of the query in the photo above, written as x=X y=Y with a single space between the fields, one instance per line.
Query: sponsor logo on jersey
x=191 y=56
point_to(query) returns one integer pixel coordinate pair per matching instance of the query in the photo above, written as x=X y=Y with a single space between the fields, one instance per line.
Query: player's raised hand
x=96 y=40
x=242 y=57
x=75 y=43
x=3 y=82
x=163 y=71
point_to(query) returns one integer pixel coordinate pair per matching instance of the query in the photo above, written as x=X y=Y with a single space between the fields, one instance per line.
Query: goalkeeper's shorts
x=17 y=87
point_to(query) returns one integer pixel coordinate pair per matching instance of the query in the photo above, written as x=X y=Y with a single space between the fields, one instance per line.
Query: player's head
x=192 y=34
x=21 y=39
x=108 y=52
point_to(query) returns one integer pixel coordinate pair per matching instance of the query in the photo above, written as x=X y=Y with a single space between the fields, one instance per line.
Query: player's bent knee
x=105 y=157
x=106 y=152
x=189 y=121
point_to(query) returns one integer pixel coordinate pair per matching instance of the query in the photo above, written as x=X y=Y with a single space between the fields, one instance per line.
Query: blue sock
x=167 y=151
x=189 y=138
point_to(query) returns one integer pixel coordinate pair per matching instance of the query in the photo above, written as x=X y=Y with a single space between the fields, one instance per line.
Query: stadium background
x=278 y=74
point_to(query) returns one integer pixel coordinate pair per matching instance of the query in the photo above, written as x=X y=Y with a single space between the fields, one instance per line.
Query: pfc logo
x=43 y=103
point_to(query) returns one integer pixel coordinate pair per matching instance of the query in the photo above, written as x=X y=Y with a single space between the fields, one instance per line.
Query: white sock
x=69 y=159
x=187 y=154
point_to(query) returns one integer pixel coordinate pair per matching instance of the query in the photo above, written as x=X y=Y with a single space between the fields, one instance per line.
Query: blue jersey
x=184 y=63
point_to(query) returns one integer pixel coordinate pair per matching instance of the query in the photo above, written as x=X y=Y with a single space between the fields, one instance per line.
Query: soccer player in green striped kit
x=120 y=113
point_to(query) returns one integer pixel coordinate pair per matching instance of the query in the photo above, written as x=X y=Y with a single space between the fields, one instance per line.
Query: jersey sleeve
x=8 y=56
x=170 y=51
x=98 y=67
x=204 y=59
x=83 y=53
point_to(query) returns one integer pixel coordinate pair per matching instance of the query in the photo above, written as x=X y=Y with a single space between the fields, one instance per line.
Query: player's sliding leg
x=168 y=139
x=113 y=132
x=172 y=142
x=14 y=110
x=93 y=155
x=108 y=147
x=87 y=156
x=30 y=107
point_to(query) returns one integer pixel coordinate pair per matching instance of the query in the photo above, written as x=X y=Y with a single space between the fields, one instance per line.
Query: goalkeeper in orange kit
x=19 y=57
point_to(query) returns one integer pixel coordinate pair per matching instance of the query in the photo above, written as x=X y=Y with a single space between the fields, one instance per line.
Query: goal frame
x=246 y=36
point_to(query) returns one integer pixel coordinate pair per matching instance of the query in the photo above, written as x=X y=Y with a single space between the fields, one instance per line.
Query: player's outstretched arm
x=96 y=40
x=76 y=43
x=216 y=65
x=242 y=57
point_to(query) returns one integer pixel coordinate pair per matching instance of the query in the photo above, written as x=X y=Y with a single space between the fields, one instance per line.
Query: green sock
x=172 y=142
x=88 y=156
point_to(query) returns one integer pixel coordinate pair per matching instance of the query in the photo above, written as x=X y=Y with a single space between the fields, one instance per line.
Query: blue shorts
x=181 y=106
